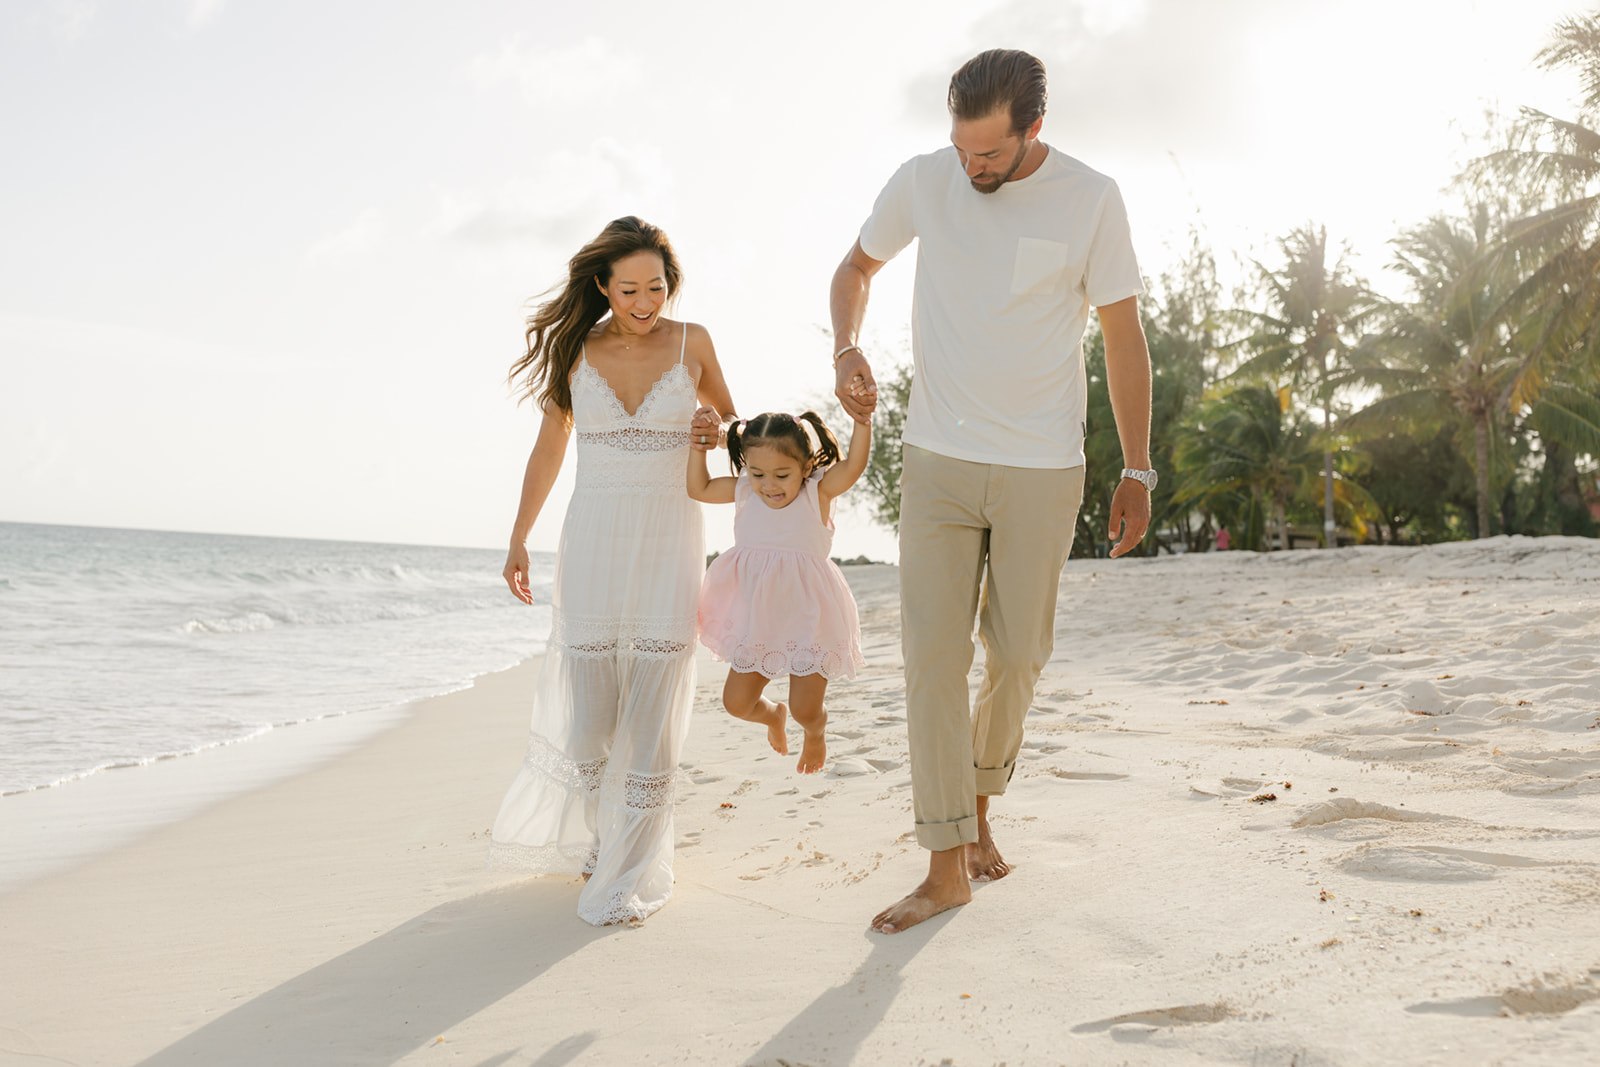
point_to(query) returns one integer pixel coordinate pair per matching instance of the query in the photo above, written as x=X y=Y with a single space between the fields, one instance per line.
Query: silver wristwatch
x=1144 y=478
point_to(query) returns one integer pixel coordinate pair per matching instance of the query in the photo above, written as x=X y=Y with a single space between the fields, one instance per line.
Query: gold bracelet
x=842 y=351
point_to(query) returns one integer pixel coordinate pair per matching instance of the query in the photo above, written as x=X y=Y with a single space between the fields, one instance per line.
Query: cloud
x=355 y=240
x=203 y=11
x=565 y=204
x=561 y=75
x=69 y=18
x=1171 y=73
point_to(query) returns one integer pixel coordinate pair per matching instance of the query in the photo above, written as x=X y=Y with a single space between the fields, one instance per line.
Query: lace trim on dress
x=650 y=636
x=612 y=401
x=619 y=906
x=644 y=793
x=544 y=758
x=793 y=658
x=647 y=794
x=637 y=439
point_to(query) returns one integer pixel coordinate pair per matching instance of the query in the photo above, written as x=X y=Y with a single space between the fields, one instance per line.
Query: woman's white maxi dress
x=611 y=712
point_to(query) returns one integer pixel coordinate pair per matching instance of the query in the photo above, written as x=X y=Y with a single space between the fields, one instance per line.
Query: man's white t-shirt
x=1004 y=284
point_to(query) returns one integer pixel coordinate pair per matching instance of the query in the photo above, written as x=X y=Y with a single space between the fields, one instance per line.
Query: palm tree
x=1446 y=356
x=1553 y=166
x=1245 y=457
x=1304 y=339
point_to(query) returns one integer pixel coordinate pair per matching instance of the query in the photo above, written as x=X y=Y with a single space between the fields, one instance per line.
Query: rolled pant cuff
x=940 y=836
x=992 y=781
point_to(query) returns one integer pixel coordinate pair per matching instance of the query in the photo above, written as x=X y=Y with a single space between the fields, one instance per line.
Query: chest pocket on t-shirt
x=1039 y=267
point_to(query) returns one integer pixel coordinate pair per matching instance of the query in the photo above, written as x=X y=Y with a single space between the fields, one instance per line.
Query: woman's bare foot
x=814 y=749
x=945 y=887
x=984 y=862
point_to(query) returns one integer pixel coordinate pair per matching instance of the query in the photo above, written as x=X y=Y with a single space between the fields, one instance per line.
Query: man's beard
x=986 y=187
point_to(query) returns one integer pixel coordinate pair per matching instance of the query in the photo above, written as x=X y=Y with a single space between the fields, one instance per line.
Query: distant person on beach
x=1223 y=539
x=611 y=712
x=775 y=605
x=1017 y=241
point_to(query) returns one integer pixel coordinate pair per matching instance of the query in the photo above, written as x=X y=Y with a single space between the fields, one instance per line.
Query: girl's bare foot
x=805 y=707
x=814 y=752
x=778 y=729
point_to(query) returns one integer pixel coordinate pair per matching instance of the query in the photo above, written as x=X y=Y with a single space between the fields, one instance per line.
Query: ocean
x=124 y=647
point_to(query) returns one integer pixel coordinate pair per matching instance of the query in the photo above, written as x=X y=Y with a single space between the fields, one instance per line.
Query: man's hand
x=855 y=387
x=1130 y=516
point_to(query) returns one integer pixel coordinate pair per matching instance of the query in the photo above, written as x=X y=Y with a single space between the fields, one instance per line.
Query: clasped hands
x=706 y=432
x=856 y=390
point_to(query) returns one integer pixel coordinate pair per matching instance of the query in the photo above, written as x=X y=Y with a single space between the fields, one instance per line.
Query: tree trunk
x=1330 y=529
x=1480 y=434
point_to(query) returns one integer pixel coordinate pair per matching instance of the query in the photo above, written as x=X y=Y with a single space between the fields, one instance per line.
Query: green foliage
x=1181 y=318
x=1246 y=458
x=1421 y=485
x=882 y=476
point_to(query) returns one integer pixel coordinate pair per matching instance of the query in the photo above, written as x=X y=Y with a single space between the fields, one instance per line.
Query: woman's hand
x=705 y=430
x=516 y=573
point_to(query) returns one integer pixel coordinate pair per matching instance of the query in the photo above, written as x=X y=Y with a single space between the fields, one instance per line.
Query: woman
x=594 y=795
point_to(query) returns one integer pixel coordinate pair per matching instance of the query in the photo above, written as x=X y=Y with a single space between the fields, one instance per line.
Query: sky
x=265 y=265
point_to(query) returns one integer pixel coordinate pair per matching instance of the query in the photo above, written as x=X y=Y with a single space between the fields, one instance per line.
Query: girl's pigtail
x=736 y=444
x=827 y=452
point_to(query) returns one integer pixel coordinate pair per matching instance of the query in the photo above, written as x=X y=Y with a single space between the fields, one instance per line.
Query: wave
x=255 y=618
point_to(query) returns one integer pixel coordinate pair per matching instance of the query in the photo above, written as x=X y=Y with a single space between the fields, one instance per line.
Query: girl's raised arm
x=701 y=485
x=843 y=474
x=544 y=463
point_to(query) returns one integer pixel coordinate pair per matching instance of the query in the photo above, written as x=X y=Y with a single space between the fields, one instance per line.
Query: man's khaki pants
x=986 y=540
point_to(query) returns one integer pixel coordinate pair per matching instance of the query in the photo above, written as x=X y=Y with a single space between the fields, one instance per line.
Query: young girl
x=775 y=604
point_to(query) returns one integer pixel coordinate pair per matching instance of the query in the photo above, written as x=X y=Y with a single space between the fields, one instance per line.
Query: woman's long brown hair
x=557 y=328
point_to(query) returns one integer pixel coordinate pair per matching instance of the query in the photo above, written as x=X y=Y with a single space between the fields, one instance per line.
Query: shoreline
x=1422 y=887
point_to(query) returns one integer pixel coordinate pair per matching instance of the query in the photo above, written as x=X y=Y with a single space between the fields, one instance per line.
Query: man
x=1016 y=242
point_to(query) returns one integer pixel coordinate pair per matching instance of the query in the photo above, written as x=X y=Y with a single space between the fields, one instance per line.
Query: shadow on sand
x=403 y=989
x=831 y=1028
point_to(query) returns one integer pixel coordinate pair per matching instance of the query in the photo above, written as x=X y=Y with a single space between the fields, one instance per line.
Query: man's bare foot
x=814 y=750
x=945 y=887
x=778 y=729
x=984 y=862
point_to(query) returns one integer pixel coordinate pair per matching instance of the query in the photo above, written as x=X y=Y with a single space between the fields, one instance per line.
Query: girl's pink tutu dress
x=775 y=604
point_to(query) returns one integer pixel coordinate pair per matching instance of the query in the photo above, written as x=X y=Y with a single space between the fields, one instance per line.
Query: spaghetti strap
x=683 y=344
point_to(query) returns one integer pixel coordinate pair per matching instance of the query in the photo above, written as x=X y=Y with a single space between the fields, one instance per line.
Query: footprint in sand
x=1550 y=996
x=849 y=767
x=1434 y=863
x=1342 y=808
x=1155 y=1019
x=1086 y=776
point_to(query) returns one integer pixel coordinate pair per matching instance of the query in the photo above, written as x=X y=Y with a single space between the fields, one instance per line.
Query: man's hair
x=1001 y=78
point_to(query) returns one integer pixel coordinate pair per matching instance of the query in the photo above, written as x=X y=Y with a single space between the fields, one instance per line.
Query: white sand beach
x=1334 y=807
